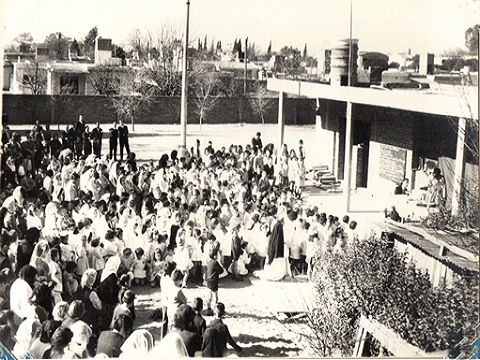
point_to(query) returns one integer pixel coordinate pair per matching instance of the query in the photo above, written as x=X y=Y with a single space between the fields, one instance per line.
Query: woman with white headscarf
x=20 y=293
x=109 y=288
x=28 y=331
x=93 y=304
x=138 y=345
x=41 y=258
x=171 y=347
x=77 y=348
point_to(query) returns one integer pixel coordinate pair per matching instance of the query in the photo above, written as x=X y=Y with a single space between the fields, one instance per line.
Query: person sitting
x=402 y=189
x=183 y=324
x=223 y=332
x=111 y=341
x=199 y=323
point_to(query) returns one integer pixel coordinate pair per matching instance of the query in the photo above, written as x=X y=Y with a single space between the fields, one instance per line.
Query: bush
x=375 y=280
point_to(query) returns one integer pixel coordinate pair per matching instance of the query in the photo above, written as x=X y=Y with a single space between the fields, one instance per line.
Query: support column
x=347 y=172
x=459 y=167
x=281 y=120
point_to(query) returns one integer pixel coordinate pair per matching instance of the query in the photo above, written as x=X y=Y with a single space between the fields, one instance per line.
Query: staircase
x=322 y=178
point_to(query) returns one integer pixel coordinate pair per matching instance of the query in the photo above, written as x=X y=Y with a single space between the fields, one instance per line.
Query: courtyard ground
x=252 y=317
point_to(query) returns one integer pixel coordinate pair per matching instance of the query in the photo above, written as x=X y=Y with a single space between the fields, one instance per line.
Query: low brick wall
x=57 y=109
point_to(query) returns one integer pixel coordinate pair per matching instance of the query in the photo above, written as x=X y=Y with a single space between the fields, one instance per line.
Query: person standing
x=123 y=137
x=257 y=141
x=113 y=141
x=97 y=134
x=79 y=135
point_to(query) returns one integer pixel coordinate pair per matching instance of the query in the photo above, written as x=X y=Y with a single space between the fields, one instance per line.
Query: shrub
x=373 y=279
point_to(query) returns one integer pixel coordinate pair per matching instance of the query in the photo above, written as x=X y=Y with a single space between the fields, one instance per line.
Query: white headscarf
x=111 y=267
x=26 y=334
x=171 y=346
x=41 y=251
x=139 y=344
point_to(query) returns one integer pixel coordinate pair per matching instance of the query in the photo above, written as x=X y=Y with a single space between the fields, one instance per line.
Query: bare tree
x=261 y=101
x=104 y=79
x=129 y=94
x=35 y=78
x=205 y=87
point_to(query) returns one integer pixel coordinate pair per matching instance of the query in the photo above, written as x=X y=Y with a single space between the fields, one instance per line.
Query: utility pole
x=184 y=105
x=245 y=73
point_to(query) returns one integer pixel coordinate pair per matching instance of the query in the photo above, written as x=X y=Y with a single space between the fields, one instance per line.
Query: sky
x=380 y=25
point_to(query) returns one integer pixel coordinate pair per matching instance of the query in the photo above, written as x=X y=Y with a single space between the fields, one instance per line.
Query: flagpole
x=184 y=105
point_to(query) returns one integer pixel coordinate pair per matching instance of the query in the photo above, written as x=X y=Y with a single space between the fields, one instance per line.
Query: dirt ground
x=253 y=323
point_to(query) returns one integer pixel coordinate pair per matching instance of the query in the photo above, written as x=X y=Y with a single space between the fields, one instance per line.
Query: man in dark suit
x=110 y=342
x=123 y=138
x=113 y=141
x=183 y=323
x=97 y=134
x=79 y=135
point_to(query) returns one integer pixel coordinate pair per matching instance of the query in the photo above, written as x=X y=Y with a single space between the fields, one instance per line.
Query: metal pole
x=347 y=172
x=350 y=49
x=245 y=73
x=183 y=109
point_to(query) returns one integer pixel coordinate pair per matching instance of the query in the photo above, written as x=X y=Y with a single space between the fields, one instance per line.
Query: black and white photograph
x=255 y=178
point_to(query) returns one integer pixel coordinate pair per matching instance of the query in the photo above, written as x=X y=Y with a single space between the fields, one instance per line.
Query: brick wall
x=163 y=110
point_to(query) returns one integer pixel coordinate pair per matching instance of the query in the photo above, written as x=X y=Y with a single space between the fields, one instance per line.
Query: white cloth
x=171 y=346
x=20 y=293
x=276 y=271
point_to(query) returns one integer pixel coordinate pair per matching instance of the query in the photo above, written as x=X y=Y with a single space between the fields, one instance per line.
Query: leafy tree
x=24 y=38
x=75 y=48
x=89 y=42
x=471 y=38
x=120 y=53
x=394 y=65
x=57 y=45
x=205 y=48
x=199 y=46
x=305 y=51
x=371 y=278
x=269 y=50
x=289 y=62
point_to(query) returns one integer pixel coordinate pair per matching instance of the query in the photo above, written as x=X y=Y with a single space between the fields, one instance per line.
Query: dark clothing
x=173 y=237
x=210 y=343
x=55 y=147
x=109 y=343
x=213 y=274
x=276 y=243
x=123 y=138
x=24 y=253
x=399 y=190
x=79 y=128
x=224 y=336
x=87 y=145
x=192 y=341
x=113 y=143
x=199 y=324
x=108 y=292
x=257 y=143
x=90 y=317
x=97 y=134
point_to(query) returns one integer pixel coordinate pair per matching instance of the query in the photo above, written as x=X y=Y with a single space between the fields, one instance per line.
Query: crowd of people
x=81 y=231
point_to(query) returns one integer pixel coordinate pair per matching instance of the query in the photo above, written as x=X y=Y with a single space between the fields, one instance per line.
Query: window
x=69 y=84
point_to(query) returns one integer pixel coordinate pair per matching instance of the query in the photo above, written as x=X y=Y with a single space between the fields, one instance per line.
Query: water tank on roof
x=339 y=62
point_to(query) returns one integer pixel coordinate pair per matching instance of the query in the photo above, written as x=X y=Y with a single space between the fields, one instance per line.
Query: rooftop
x=446 y=101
